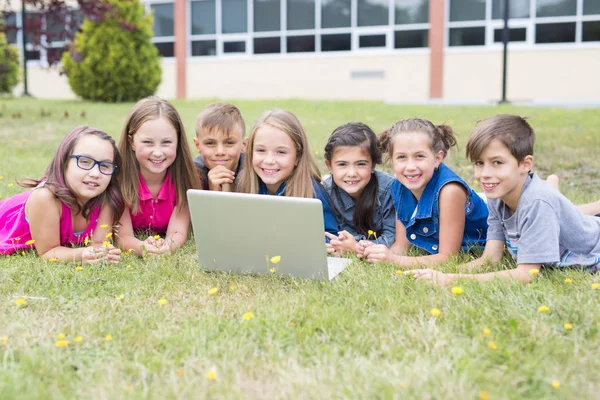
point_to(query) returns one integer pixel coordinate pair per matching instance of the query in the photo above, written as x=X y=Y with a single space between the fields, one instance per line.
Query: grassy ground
x=368 y=333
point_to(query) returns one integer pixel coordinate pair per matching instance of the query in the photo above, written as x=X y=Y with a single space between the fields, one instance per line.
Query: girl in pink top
x=158 y=170
x=78 y=193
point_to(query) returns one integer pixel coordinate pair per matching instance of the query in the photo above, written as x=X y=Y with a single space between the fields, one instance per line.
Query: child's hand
x=152 y=246
x=361 y=246
x=436 y=277
x=330 y=249
x=348 y=243
x=377 y=253
x=92 y=255
x=220 y=178
x=112 y=254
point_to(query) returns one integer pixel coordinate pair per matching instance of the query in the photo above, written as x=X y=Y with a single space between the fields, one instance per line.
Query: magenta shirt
x=15 y=232
x=154 y=214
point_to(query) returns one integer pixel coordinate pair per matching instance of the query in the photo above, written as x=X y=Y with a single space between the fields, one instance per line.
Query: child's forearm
x=61 y=253
x=518 y=274
x=419 y=262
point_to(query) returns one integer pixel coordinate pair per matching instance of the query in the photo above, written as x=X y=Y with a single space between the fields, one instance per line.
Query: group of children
x=136 y=197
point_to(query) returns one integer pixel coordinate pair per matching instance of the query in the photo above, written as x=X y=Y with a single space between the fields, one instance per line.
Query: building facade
x=394 y=50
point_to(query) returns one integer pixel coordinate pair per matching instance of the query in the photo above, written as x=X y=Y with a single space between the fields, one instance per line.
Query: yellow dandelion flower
x=162 y=302
x=568 y=280
x=22 y=253
x=86 y=241
x=399 y=272
x=52 y=259
x=108 y=235
x=3 y=340
x=534 y=271
x=487 y=332
x=233 y=286
x=211 y=375
x=60 y=336
x=30 y=242
x=156 y=237
x=78 y=339
x=213 y=290
x=104 y=226
x=108 y=338
x=180 y=372
x=457 y=290
x=272 y=270
x=543 y=308
x=484 y=396
x=248 y=316
x=436 y=312
x=596 y=286
x=1 y=177
x=105 y=243
x=292 y=324
x=555 y=384
x=370 y=232
x=78 y=268
x=492 y=345
x=323 y=284
x=275 y=259
x=120 y=297
x=10 y=185
x=404 y=386
x=62 y=343
x=20 y=302
x=568 y=326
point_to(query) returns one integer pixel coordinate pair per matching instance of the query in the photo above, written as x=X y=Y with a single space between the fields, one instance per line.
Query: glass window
x=336 y=42
x=204 y=47
x=166 y=49
x=234 y=47
x=555 y=33
x=267 y=15
x=555 y=8
x=467 y=36
x=516 y=9
x=366 y=41
x=10 y=27
x=591 y=7
x=163 y=19
x=467 y=10
x=591 y=31
x=514 y=35
x=335 y=13
x=267 y=45
x=32 y=55
x=411 y=11
x=301 y=44
x=33 y=20
x=300 y=14
x=234 y=17
x=372 y=12
x=203 y=17
x=55 y=28
x=411 y=39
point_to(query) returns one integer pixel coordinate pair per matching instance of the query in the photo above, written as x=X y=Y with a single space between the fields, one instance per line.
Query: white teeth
x=156 y=161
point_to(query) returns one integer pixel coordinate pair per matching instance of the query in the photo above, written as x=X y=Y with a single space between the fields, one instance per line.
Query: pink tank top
x=154 y=214
x=15 y=232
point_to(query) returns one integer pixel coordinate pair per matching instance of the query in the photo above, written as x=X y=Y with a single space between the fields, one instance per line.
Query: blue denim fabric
x=421 y=218
x=329 y=219
x=384 y=217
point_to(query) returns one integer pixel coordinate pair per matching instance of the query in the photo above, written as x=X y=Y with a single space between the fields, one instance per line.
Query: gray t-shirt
x=546 y=228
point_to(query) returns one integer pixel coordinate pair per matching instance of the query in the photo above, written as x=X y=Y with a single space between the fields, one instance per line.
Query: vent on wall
x=372 y=74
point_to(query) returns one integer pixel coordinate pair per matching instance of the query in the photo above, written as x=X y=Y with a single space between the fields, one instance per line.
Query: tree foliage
x=9 y=65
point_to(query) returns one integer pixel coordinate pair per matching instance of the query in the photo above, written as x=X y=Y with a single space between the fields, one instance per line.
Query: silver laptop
x=243 y=232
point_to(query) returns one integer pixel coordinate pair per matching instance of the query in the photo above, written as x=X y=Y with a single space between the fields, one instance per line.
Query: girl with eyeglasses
x=158 y=169
x=76 y=202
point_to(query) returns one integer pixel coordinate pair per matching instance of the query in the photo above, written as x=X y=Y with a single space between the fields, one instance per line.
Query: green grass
x=368 y=333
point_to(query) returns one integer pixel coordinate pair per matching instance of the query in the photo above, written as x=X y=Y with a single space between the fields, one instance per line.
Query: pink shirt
x=154 y=214
x=15 y=232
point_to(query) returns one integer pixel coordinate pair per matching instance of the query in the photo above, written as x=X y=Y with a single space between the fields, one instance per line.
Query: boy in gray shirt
x=539 y=226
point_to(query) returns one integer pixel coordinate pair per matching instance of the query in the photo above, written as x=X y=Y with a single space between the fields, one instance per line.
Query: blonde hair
x=183 y=172
x=300 y=182
x=223 y=117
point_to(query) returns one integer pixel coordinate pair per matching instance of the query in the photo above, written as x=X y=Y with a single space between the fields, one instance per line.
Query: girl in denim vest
x=436 y=210
x=360 y=194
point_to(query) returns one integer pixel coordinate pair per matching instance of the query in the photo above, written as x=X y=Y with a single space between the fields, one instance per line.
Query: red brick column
x=180 y=47
x=436 y=45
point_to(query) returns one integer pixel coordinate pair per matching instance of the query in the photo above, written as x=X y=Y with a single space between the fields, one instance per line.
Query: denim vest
x=384 y=216
x=421 y=219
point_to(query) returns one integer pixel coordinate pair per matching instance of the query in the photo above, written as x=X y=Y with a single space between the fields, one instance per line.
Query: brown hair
x=299 y=183
x=441 y=136
x=511 y=130
x=222 y=117
x=183 y=171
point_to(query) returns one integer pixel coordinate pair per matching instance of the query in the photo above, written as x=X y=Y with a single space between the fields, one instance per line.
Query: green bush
x=114 y=60
x=9 y=64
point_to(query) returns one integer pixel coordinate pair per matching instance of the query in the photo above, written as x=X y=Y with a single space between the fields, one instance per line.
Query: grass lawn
x=368 y=333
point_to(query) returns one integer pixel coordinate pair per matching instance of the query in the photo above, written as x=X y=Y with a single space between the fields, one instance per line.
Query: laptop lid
x=241 y=232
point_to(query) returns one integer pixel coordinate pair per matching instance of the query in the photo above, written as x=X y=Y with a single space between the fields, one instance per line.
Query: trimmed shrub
x=114 y=60
x=9 y=64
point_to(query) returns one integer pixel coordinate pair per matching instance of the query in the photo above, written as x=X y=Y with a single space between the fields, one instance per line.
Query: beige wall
x=406 y=77
x=533 y=75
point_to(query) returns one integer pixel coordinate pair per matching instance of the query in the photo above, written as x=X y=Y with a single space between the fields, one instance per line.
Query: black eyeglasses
x=87 y=163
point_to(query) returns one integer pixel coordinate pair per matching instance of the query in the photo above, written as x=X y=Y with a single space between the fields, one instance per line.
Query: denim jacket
x=421 y=218
x=384 y=216
x=329 y=219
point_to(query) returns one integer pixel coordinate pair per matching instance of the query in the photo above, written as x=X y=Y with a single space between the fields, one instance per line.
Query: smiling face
x=155 y=147
x=273 y=156
x=87 y=184
x=500 y=175
x=351 y=169
x=414 y=161
x=218 y=148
